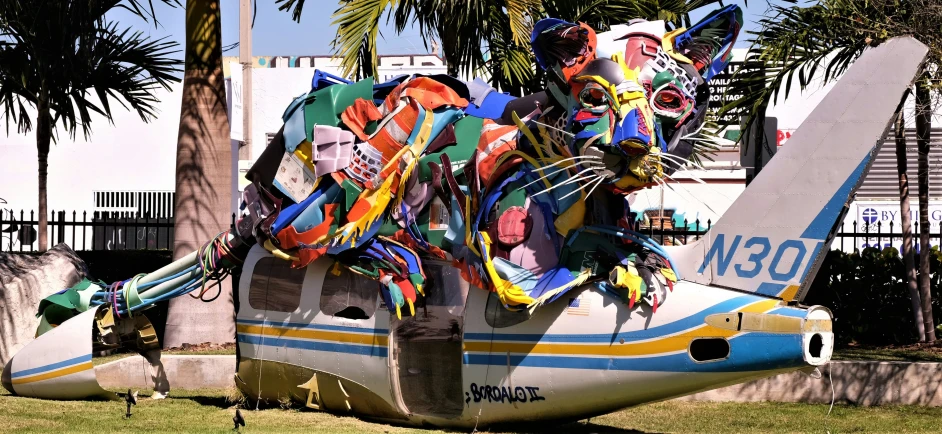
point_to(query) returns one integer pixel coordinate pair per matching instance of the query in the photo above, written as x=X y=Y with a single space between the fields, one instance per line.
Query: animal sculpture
x=525 y=196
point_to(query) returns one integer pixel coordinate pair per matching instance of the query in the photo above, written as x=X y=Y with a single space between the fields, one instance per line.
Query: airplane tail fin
x=775 y=235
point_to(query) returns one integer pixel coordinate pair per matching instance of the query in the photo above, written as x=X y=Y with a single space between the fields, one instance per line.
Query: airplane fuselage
x=464 y=360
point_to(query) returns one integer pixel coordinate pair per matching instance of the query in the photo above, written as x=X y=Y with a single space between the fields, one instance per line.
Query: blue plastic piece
x=630 y=129
x=492 y=107
x=322 y=79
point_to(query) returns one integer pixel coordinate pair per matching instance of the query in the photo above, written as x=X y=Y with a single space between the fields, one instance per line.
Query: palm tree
x=204 y=174
x=482 y=36
x=827 y=38
x=61 y=61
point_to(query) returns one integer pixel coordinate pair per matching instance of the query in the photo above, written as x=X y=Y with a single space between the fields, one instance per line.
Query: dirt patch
x=205 y=347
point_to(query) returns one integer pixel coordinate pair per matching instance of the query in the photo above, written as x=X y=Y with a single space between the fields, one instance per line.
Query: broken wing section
x=58 y=364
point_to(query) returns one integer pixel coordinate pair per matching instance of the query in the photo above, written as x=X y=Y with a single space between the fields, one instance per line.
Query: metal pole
x=245 y=59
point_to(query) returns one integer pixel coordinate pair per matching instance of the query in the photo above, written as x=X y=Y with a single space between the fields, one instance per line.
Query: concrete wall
x=858 y=383
x=183 y=372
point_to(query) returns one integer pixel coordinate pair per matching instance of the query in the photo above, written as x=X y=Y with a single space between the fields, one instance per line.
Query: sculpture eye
x=594 y=98
x=668 y=100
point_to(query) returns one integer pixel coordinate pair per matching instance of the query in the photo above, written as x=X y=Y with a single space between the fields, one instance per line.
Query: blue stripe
x=789 y=311
x=751 y=352
x=364 y=350
x=821 y=226
x=315 y=326
x=53 y=366
x=694 y=320
x=771 y=289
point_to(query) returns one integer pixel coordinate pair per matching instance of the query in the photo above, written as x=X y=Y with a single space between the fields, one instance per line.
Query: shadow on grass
x=221 y=402
x=571 y=427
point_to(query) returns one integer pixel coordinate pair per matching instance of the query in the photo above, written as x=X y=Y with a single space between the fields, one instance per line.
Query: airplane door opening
x=427 y=348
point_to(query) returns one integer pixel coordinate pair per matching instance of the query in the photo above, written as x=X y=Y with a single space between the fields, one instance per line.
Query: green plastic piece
x=324 y=106
x=514 y=198
x=600 y=127
x=351 y=191
x=468 y=134
x=581 y=253
x=389 y=228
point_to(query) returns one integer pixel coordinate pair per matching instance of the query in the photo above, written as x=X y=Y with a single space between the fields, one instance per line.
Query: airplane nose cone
x=817 y=336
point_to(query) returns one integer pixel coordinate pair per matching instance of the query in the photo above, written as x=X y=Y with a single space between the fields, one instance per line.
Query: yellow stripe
x=788 y=294
x=677 y=342
x=347 y=338
x=55 y=374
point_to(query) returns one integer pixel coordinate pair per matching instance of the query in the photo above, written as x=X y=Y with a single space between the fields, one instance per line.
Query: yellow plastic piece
x=667 y=43
x=508 y=293
x=529 y=134
x=276 y=252
x=668 y=274
x=572 y=218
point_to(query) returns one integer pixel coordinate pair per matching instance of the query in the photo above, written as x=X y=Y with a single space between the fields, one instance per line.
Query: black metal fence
x=87 y=231
x=858 y=236
x=127 y=231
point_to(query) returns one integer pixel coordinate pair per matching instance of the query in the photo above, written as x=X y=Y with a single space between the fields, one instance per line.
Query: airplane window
x=275 y=286
x=445 y=287
x=709 y=350
x=348 y=295
x=498 y=317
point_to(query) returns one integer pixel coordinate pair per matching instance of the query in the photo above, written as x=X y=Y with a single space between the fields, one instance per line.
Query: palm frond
x=357 y=24
x=79 y=63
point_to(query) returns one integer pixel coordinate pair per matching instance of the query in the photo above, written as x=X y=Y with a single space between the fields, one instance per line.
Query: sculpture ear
x=709 y=43
x=558 y=43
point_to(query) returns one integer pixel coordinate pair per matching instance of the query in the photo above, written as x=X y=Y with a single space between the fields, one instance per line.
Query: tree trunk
x=906 y=219
x=204 y=175
x=43 y=138
x=923 y=127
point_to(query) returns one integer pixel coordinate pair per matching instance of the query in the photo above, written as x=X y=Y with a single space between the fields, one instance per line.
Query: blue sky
x=276 y=34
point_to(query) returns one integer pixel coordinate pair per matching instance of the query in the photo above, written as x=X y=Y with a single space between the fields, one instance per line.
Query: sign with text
x=718 y=96
x=876 y=217
x=235 y=102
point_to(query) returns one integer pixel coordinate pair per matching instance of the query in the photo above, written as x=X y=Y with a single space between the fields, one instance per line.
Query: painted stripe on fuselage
x=660 y=345
x=314 y=345
x=53 y=370
x=661 y=348
x=748 y=352
x=316 y=337
x=683 y=324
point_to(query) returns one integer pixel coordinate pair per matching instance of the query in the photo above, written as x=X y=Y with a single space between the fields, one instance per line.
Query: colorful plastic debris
x=525 y=196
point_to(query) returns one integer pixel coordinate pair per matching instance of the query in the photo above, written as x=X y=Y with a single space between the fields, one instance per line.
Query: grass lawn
x=902 y=354
x=212 y=410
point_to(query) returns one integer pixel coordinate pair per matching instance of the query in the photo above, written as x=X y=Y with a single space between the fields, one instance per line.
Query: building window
x=348 y=295
x=275 y=286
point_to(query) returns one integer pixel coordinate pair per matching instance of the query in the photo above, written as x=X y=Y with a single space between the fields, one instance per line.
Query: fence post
x=842 y=237
x=21 y=224
x=855 y=235
x=879 y=237
x=61 y=227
